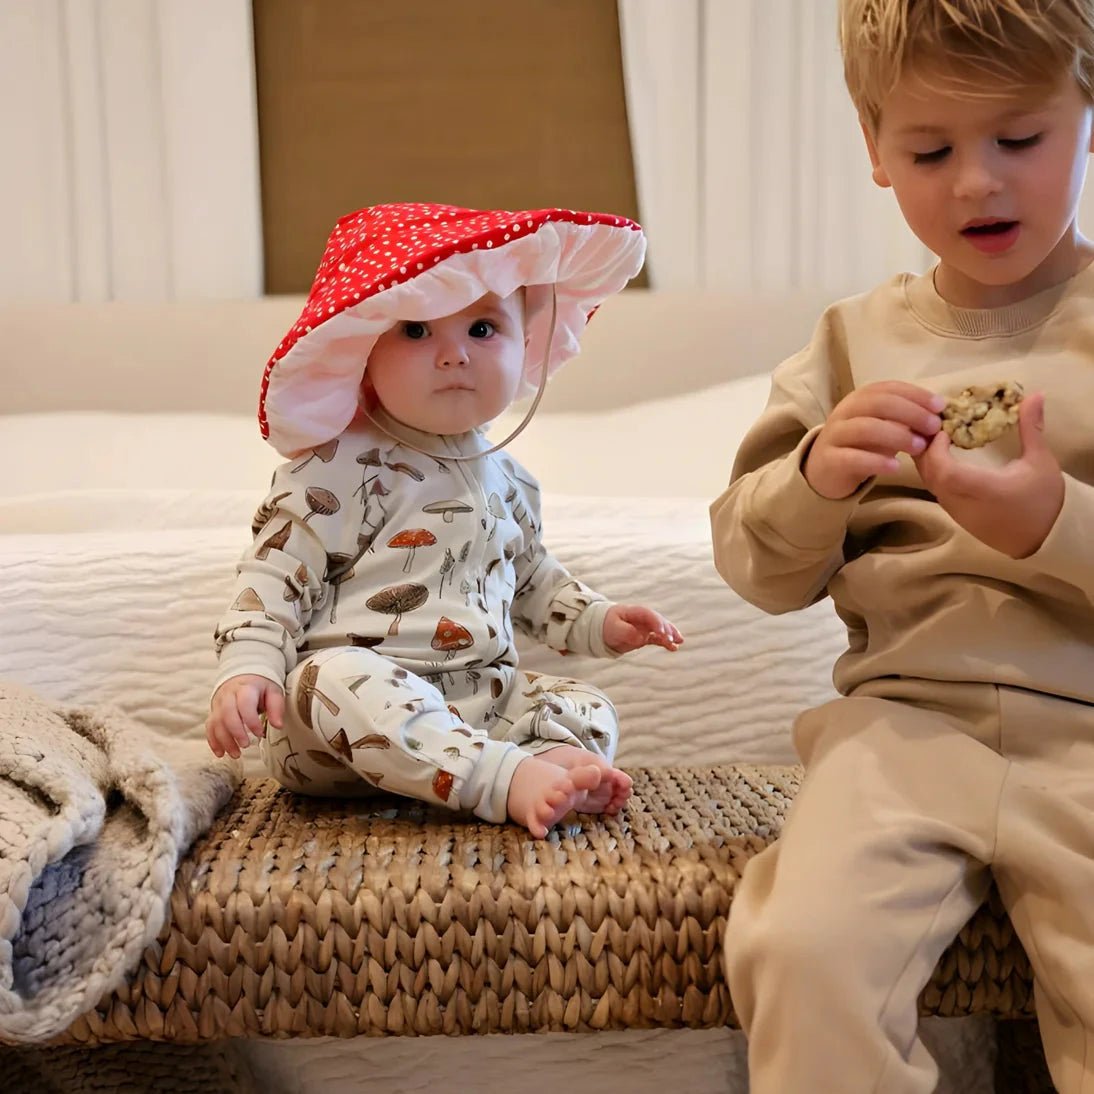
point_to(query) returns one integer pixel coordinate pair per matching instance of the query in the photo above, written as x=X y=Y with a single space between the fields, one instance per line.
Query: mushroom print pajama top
x=381 y=591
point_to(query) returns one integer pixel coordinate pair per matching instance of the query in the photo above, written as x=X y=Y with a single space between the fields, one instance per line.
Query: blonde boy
x=963 y=744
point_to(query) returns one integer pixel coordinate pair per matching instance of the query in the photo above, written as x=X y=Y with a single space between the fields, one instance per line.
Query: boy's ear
x=879 y=174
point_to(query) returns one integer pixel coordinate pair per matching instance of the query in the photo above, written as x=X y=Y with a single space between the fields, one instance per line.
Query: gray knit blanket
x=93 y=820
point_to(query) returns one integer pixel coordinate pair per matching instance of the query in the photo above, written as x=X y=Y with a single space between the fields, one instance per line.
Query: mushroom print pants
x=356 y=721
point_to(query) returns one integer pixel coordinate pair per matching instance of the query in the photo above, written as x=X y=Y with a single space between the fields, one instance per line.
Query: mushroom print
x=397 y=599
x=265 y=511
x=368 y=459
x=294 y=583
x=447 y=566
x=339 y=569
x=450 y=637
x=496 y=509
x=447 y=509
x=325 y=452
x=248 y=601
x=320 y=501
x=406 y=469
x=305 y=689
x=276 y=542
x=409 y=540
x=442 y=784
x=378 y=491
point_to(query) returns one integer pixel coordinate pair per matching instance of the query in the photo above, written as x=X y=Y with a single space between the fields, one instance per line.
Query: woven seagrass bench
x=313 y=917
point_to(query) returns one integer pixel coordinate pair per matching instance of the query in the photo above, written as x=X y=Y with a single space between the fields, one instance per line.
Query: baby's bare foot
x=615 y=785
x=542 y=793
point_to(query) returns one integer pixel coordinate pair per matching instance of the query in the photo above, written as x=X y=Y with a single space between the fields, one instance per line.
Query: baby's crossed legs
x=355 y=720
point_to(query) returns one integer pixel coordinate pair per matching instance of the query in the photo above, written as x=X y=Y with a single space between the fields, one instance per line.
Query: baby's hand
x=629 y=627
x=864 y=433
x=235 y=709
x=1012 y=508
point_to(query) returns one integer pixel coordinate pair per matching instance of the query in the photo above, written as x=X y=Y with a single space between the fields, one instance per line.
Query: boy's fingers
x=1031 y=424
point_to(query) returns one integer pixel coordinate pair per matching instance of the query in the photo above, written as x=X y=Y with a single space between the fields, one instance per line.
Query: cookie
x=980 y=415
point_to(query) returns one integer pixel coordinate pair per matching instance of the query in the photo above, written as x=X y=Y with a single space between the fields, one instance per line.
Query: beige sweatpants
x=913 y=790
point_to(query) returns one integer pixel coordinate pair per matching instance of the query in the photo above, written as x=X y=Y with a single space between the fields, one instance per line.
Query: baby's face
x=989 y=181
x=455 y=373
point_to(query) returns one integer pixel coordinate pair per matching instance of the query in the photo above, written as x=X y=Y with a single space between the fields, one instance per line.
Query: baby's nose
x=451 y=355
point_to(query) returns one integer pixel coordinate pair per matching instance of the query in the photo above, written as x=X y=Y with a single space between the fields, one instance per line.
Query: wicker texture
x=318 y=917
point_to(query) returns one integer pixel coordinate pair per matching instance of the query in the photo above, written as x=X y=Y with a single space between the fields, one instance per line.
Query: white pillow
x=97 y=450
x=681 y=446
x=677 y=447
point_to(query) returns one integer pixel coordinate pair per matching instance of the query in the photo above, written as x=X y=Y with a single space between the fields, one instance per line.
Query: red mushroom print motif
x=409 y=540
x=447 y=509
x=397 y=599
x=442 y=784
x=450 y=637
x=320 y=501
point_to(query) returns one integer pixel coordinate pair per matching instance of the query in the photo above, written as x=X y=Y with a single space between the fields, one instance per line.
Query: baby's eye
x=481 y=328
x=937 y=155
x=1018 y=143
x=415 y=330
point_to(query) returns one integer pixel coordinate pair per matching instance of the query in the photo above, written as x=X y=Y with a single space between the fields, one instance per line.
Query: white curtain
x=751 y=170
x=130 y=150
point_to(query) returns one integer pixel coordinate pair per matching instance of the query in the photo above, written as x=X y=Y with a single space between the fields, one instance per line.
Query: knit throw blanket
x=92 y=824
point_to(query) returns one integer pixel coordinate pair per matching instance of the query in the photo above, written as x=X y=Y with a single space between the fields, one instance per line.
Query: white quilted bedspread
x=125 y=612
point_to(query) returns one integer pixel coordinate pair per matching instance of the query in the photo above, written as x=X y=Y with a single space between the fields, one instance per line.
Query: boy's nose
x=976 y=179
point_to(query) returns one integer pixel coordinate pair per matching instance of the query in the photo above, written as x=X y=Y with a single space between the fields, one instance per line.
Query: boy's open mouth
x=988 y=227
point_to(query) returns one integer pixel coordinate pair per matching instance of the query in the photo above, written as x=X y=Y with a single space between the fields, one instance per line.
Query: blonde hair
x=967 y=42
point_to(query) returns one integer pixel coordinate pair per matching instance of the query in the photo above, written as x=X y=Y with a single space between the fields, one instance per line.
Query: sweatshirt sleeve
x=776 y=541
x=1065 y=554
x=282 y=577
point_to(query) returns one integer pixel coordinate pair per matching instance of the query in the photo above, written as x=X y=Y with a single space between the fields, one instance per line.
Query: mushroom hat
x=414 y=262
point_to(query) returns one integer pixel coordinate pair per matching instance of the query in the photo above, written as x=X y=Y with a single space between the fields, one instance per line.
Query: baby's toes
x=587 y=777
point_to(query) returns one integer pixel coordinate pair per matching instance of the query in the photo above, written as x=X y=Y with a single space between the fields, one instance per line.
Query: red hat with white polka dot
x=392 y=263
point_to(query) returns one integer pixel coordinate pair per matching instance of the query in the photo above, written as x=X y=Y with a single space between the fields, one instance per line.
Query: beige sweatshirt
x=919 y=595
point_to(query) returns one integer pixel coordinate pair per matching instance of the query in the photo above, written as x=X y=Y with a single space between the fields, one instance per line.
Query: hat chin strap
x=519 y=429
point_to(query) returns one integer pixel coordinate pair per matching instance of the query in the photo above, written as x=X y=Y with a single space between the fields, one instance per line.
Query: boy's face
x=990 y=184
x=452 y=374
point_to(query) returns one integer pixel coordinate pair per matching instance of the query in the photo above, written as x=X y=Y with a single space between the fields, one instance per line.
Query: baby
x=369 y=641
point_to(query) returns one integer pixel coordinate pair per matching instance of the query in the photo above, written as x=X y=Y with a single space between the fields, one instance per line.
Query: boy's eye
x=481 y=328
x=415 y=330
x=1018 y=143
x=937 y=155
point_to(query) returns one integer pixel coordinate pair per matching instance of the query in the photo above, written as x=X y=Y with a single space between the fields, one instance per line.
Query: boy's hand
x=629 y=627
x=864 y=433
x=235 y=709
x=1012 y=508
